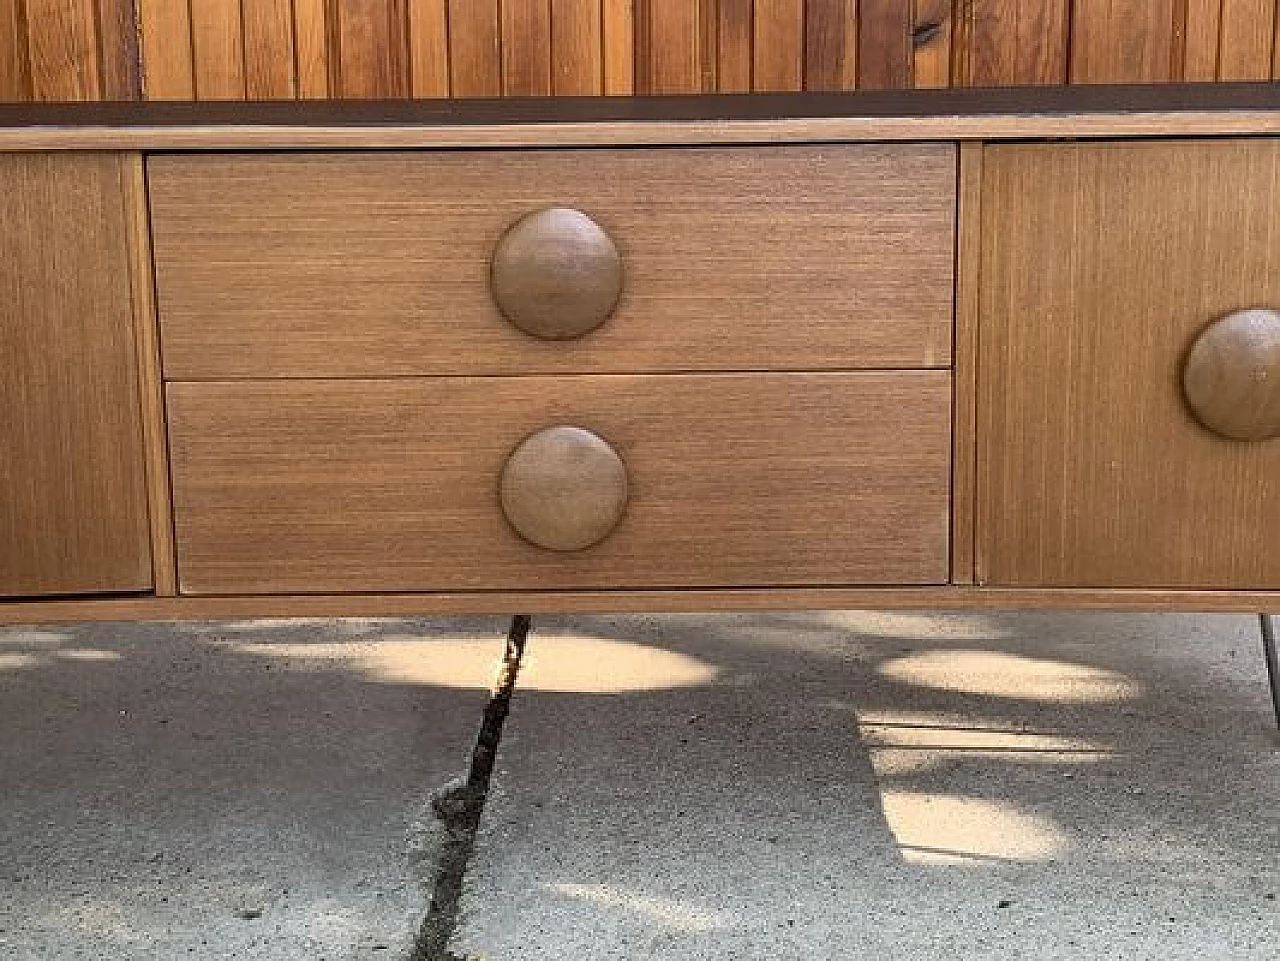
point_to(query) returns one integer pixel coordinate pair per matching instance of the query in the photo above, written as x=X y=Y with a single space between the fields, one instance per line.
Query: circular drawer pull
x=564 y=488
x=1232 y=376
x=556 y=274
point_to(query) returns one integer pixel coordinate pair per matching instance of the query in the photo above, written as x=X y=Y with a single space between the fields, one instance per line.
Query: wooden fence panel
x=217 y=43
x=1002 y=43
x=1123 y=41
x=831 y=45
x=1247 y=39
x=619 y=27
x=778 y=46
x=526 y=48
x=257 y=49
x=15 y=65
x=884 y=44
x=577 y=47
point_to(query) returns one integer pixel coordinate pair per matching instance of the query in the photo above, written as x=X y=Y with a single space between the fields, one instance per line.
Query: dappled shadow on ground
x=978 y=785
x=676 y=787
x=163 y=784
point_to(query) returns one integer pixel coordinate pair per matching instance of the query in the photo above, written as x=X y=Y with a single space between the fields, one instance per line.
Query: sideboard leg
x=1273 y=659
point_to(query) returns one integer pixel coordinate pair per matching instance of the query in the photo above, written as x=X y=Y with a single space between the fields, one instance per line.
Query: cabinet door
x=1102 y=265
x=73 y=508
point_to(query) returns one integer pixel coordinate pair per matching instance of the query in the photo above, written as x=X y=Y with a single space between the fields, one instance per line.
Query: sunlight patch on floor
x=33 y=638
x=86 y=654
x=666 y=911
x=462 y=663
x=998 y=674
x=1027 y=745
x=917 y=627
x=592 y=665
x=557 y=664
x=942 y=829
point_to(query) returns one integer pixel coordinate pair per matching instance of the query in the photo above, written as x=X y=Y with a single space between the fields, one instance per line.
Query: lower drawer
x=719 y=480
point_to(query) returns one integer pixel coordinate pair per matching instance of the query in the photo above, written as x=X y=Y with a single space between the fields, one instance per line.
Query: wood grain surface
x=60 y=49
x=73 y=518
x=964 y=463
x=146 y=329
x=1130 y=111
x=378 y=265
x=1101 y=265
x=759 y=479
x=690 y=600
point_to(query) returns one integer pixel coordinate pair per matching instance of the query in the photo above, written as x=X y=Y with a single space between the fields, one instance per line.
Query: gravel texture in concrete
x=894 y=786
x=251 y=791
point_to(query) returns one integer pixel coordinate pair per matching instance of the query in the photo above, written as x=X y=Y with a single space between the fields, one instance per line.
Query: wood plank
x=577 y=48
x=311 y=47
x=1123 y=41
x=1201 y=26
x=964 y=467
x=74 y=515
x=526 y=48
x=146 y=331
x=1012 y=42
x=217 y=42
x=1093 y=470
x=959 y=598
x=378 y=265
x=672 y=46
x=753 y=479
x=709 y=44
x=885 y=50
x=475 y=55
x=831 y=45
x=120 y=64
x=62 y=46
x=779 y=45
x=414 y=136
x=15 y=65
x=619 y=47
x=429 y=48
x=1275 y=56
x=1248 y=38
x=1190 y=110
x=269 y=51
x=168 y=72
x=734 y=23
x=372 y=49
x=931 y=44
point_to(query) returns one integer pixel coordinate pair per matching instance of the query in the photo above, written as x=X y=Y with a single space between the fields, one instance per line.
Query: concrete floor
x=246 y=791
x=817 y=785
x=889 y=786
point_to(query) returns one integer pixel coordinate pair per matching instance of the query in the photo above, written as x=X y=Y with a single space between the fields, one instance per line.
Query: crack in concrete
x=459 y=805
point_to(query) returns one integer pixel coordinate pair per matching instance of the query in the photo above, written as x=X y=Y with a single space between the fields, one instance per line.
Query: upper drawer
x=357 y=265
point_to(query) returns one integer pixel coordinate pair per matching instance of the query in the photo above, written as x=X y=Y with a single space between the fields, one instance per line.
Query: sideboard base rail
x=682 y=601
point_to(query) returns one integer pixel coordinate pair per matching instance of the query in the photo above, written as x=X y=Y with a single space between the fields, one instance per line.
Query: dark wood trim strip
x=969 y=102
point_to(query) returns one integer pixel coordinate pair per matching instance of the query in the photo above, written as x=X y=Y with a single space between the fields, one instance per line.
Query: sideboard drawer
x=373 y=265
x=717 y=480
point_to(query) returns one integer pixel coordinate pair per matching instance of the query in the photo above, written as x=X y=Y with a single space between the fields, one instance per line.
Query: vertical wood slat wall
x=268 y=49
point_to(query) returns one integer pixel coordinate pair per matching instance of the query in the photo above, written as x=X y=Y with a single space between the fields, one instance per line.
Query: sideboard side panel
x=73 y=515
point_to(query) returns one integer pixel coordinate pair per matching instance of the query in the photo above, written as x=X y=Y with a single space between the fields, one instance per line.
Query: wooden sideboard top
x=962 y=114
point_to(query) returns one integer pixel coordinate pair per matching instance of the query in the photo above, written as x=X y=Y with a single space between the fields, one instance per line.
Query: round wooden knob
x=556 y=274
x=1232 y=376
x=564 y=488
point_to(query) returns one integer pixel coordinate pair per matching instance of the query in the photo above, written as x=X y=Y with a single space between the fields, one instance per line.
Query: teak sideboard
x=997 y=349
